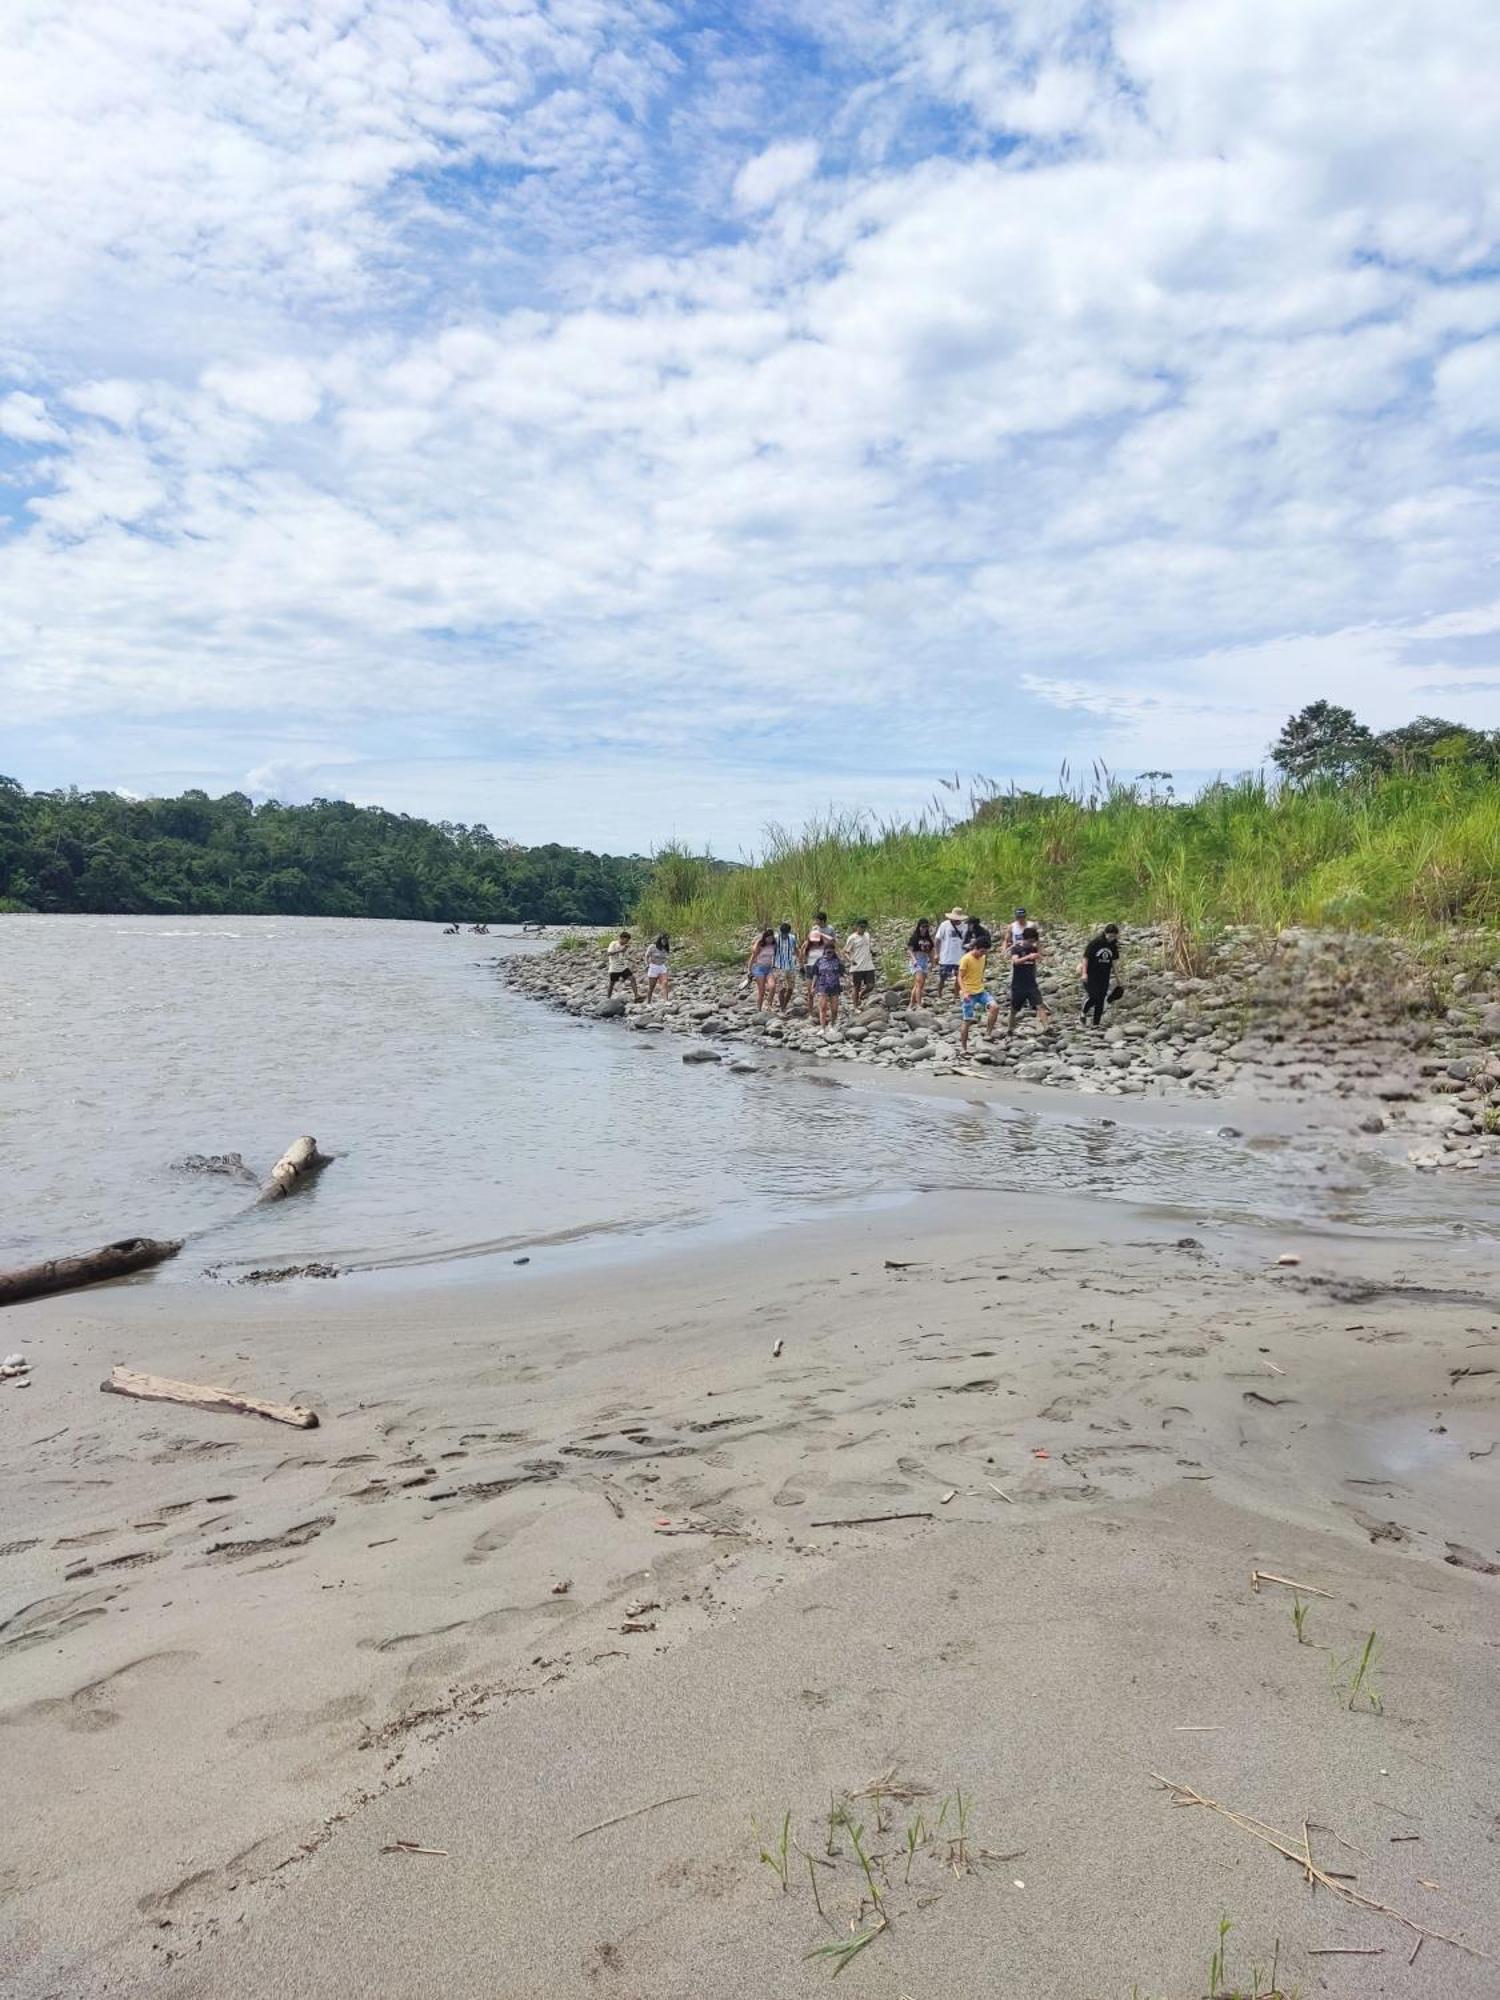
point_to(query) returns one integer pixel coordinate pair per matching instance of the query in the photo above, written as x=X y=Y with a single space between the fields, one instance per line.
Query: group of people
x=957 y=952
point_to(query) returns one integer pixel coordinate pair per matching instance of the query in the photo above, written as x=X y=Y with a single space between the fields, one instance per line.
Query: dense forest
x=193 y=855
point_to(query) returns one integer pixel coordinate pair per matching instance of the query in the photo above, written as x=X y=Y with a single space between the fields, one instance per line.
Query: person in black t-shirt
x=1097 y=971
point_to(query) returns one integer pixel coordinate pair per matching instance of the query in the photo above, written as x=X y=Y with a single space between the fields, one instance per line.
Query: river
x=473 y=1127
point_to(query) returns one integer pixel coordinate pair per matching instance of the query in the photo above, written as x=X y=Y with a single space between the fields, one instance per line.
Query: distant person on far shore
x=819 y=933
x=859 y=950
x=658 y=968
x=620 y=969
x=1097 y=971
x=974 y=997
x=1025 y=987
x=761 y=966
x=950 y=947
x=921 y=950
x=828 y=981
x=786 y=965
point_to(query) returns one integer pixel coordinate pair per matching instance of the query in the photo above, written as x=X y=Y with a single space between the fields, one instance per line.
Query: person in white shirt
x=1018 y=927
x=617 y=952
x=859 y=956
x=950 y=948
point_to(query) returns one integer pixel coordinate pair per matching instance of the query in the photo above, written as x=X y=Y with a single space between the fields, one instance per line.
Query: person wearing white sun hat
x=950 y=947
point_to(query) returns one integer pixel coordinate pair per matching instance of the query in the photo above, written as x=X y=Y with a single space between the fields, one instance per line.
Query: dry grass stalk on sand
x=635 y=1812
x=1260 y=1576
x=1184 y=1795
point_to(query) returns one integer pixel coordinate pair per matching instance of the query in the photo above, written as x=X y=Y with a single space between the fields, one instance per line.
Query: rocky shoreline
x=1355 y=1021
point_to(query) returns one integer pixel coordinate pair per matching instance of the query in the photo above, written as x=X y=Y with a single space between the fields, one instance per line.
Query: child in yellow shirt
x=974 y=998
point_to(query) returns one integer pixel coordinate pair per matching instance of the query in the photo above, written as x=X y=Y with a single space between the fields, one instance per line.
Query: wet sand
x=237 y=1661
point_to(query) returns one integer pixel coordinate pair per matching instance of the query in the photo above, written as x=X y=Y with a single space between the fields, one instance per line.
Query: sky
x=626 y=420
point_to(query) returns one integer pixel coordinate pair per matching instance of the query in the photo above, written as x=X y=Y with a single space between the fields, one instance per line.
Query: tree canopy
x=1324 y=741
x=194 y=855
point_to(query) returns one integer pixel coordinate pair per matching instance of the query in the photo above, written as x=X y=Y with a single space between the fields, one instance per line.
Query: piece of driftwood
x=294 y=1169
x=866 y=1520
x=92 y=1267
x=157 y=1389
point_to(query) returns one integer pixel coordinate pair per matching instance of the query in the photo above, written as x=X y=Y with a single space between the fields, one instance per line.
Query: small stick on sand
x=951 y=1494
x=635 y=1812
x=615 y=1506
x=412 y=1847
x=1001 y=1491
x=1260 y=1576
x=865 y=1520
x=1347 y=1950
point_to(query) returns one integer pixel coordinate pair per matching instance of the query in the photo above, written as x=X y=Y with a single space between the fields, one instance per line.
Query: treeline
x=193 y=855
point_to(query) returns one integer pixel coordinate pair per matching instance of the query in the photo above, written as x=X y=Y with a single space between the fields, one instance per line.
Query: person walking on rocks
x=950 y=947
x=658 y=968
x=1025 y=988
x=819 y=933
x=786 y=966
x=1097 y=971
x=921 y=949
x=620 y=968
x=828 y=979
x=761 y=966
x=859 y=948
x=974 y=997
x=1018 y=925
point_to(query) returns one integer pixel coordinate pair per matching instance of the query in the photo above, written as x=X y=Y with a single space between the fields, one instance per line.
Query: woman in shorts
x=920 y=951
x=828 y=984
x=762 y=966
x=658 y=968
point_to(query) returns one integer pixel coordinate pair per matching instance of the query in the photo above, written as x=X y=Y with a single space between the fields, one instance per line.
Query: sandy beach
x=565 y=1546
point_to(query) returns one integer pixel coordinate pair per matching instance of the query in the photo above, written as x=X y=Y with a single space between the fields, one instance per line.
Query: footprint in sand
x=290 y=1538
x=278 y=1725
x=90 y=1708
x=788 y=1495
x=48 y=1618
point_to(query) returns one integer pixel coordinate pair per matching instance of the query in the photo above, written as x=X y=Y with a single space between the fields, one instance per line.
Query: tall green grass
x=1406 y=852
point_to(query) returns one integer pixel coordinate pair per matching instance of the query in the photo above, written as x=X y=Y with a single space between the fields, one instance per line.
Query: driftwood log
x=158 y=1389
x=67 y=1274
x=294 y=1169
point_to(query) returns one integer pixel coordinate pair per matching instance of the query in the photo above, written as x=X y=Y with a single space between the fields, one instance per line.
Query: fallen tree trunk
x=297 y=1165
x=158 y=1389
x=66 y=1274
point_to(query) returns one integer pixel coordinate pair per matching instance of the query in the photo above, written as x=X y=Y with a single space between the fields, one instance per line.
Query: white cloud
x=24 y=417
x=468 y=368
x=761 y=182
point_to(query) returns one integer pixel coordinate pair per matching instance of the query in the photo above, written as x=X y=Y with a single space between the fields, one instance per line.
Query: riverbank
x=566 y=1549
x=1357 y=1026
